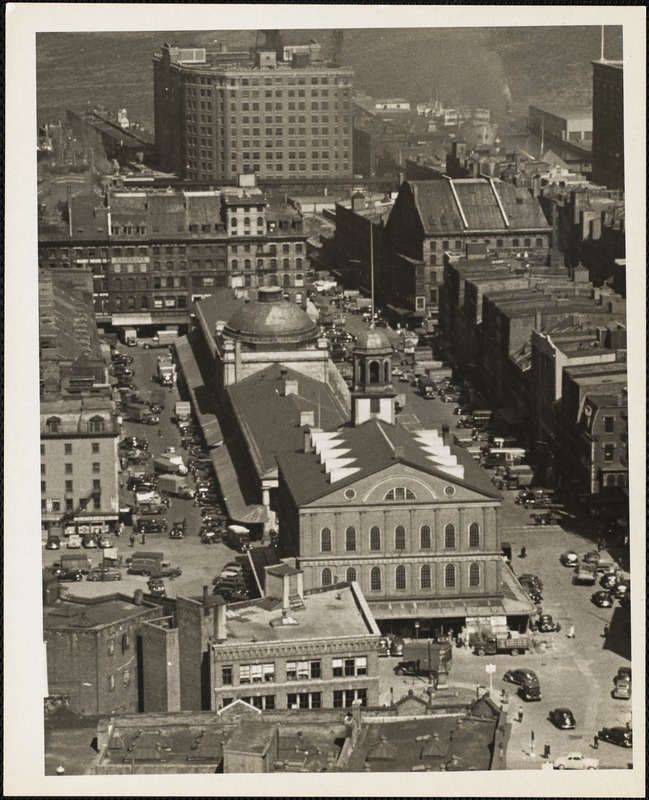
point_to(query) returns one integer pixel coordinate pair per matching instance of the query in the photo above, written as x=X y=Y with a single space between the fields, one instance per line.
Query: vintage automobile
x=575 y=761
x=569 y=558
x=563 y=719
x=622 y=737
x=157 y=587
x=104 y=574
x=545 y=624
x=602 y=599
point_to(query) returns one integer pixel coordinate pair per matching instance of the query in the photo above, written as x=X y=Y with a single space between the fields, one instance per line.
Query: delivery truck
x=152 y=564
x=519 y=476
x=138 y=412
x=182 y=411
x=163 y=338
x=129 y=336
x=170 y=462
x=177 y=485
x=426 y=658
x=491 y=645
x=149 y=503
x=78 y=561
x=166 y=372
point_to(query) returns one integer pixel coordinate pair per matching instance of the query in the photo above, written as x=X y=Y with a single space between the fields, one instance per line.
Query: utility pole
x=372 y=268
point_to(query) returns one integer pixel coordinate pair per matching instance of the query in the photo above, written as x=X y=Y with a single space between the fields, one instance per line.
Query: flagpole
x=372 y=268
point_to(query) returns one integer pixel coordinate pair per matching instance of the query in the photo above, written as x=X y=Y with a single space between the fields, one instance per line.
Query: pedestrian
x=159 y=433
x=132 y=540
x=523 y=552
x=143 y=540
x=595 y=742
x=571 y=632
x=520 y=714
x=606 y=630
x=546 y=750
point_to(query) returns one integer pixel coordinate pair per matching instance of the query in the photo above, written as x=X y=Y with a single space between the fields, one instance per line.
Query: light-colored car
x=569 y=558
x=575 y=761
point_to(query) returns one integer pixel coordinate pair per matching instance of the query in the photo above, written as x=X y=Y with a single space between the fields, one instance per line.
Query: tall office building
x=608 y=123
x=281 y=112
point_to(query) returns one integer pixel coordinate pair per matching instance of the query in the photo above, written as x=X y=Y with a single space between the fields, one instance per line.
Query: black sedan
x=521 y=677
x=65 y=574
x=563 y=719
x=602 y=599
x=622 y=737
x=151 y=526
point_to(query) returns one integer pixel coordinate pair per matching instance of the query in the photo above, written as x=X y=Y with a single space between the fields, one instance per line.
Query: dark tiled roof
x=442 y=203
x=372 y=446
x=271 y=421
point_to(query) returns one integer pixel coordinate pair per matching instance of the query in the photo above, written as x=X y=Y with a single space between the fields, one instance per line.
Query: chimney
x=290 y=387
x=206 y=595
x=446 y=434
x=307 y=418
x=398 y=453
x=283 y=372
x=221 y=629
x=307 y=441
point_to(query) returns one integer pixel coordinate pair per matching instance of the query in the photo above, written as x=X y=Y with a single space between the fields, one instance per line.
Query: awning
x=203 y=401
x=235 y=503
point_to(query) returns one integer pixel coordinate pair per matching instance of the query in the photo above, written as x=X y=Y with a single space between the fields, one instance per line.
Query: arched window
x=53 y=424
x=425 y=542
x=117 y=285
x=144 y=302
x=474 y=535
x=286 y=281
x=326 y=577
x=298 y=263
x=399 y=538
x=234 y=222
x=361 y=376
x=621 y=479
x=286 y=264
x=96 y=425
x=449 y=536
x=350 y=539
x=130 y=303
x=247 y=263
x=272 y=280
x=449 y=576
x=375 y=579
x=169 y=282
x=325 y=540
x=351 y=575
x=400 y=493
x=130 y=284
x=375 y=538
x=386 y=372
x=424 y=577
x=234 y=263
x=246 y=222
x=375 y=372
x=260 y=222
x=610 y=480
x=400 y=577
x=474 y=575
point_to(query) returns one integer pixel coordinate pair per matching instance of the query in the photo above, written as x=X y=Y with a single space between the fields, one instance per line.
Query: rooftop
x=474 y=204
x=92 y=613
x=270 y=320
x=372 y=447
x=332 y=613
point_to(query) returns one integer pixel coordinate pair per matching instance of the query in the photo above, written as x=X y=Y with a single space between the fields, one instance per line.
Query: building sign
x=131 y=260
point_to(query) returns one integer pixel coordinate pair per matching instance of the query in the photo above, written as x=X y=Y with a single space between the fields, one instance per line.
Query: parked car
x=533 y=579
x=65 y=574
x=563 y=719
x=151 y=526
x=157 y=587
x=602 y=599
x=621 y=590
x=104 y=574
x=608 y=581
x=575 y=761
x=545 y=624
x=178 y=529
x=232 y=569
x=622 y=737
x=53 y=543
x=74 y=542
x=569 y=558
x=396 y=647
x=532 y=592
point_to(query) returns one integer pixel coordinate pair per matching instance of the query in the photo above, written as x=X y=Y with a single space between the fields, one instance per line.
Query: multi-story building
x=592 y=432
x=404 y=513
x=153 y=252
x=608 y=123
x=567 y=124
x=78 y=422
x=92 y=653
x=281 y=113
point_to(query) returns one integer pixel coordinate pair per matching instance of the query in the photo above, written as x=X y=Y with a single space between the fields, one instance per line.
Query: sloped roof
x=475 y=204
x=259 y=399
x=375 y=446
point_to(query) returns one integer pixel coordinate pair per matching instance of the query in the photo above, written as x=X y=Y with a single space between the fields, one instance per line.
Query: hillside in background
x=476 y=66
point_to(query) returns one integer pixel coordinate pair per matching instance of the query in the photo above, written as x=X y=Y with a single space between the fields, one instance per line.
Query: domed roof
x=374 y=340
x=271 y=320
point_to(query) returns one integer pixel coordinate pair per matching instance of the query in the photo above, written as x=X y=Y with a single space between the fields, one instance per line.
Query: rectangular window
x=67 y=449
x=268 y=673
x=96 y=467
x=111 y=647
x=95 y=447
x=69 y=487
x=337 y=667
x=111 y=683
x=291 y=670
x=226 y=676
x=68 y=469
x=315 y=670
x=43 y=487
x=126 y=678
x=609 y=424
x=609 y=452
x=256 y=673
x=244 y=673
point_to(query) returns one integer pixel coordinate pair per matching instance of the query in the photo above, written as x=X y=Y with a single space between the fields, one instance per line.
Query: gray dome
x=270 y=322
x=373 y=340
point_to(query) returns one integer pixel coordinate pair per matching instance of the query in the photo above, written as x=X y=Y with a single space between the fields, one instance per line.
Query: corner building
x=281 y=114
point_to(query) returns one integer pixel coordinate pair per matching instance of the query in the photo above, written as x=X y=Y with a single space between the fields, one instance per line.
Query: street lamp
x=417 y=630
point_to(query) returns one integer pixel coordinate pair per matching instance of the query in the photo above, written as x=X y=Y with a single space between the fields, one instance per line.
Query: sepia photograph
x=318 y=335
